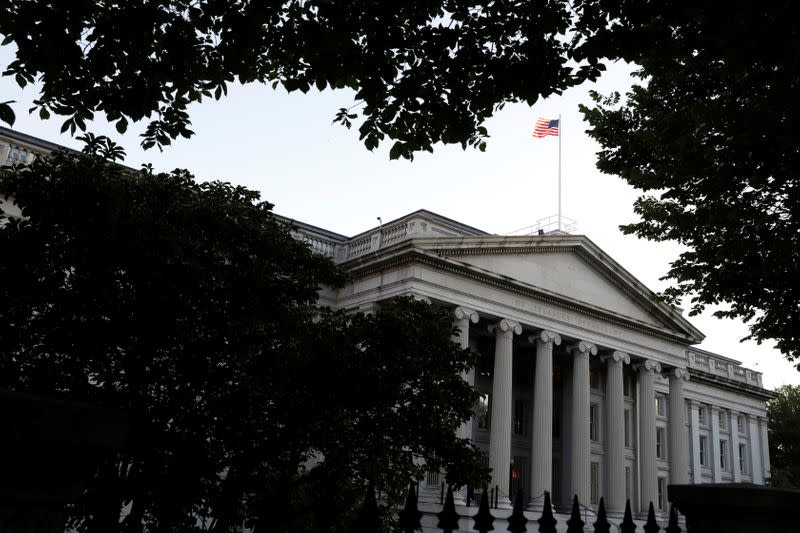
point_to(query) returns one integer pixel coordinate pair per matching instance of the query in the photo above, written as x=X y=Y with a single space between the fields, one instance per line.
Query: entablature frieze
x=536 y=316
x=728 y=384
x=697 y=399
x=539 y=301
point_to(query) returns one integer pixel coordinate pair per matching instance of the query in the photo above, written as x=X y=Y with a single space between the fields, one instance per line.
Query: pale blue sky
x=285 y=146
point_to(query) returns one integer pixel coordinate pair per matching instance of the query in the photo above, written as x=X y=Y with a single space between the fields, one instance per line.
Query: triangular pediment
x=568 y=275
x=568 y=267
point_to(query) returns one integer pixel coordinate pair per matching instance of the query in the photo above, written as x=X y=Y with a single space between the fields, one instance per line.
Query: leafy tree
x=425 y=71
x=189 y=308
x=708 y=134
x=783 y=413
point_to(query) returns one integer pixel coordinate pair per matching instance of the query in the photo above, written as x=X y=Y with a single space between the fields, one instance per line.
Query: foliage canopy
x=708 y=134
x=425 y=71
x=783 y=414
x=191 y=309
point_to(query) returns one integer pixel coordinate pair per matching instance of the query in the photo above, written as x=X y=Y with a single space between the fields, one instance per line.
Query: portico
x=587 y=382
x=593 y=443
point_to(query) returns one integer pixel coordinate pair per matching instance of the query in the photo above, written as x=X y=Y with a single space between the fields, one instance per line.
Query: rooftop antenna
x=380 y=232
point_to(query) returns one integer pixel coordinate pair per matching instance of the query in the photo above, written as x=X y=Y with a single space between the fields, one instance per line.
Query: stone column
x=755 y=450
x=615 y=431
x=541 y=459
x=762 y=425
x=5 y=150
x=678 y=446
x=697 y=469
x=500 y=436
x=463 y=317
x=648 y=470
x=734 y=425
x=715 y=449
x=581 y=446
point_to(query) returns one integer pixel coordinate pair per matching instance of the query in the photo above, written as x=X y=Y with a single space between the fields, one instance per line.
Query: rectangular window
x=701 y=414
x=626 y=386
x=595 y=483
x=723 y=453
x=742 y=460
x=661 y=409
x=723 y=421
x=593 y=422
x=662 y=489
x=627 y=428
x=520 y=424
x=18 y=156
x=703 y=448
x=660 y=444
x=484 y=412
x=740 y=423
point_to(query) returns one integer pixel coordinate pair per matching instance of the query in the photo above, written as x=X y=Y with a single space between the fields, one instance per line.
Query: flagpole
x=560 y=134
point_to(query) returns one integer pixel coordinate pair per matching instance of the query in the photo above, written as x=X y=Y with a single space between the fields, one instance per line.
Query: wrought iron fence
x=449 y=520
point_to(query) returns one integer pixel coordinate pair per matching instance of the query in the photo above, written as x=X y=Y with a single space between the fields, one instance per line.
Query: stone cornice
x=406 y=252
x=727 y=383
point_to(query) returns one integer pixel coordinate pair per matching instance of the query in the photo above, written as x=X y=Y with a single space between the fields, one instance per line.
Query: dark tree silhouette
x=425 y=71
x=709 y=137
x=192 y=310
x=783 y=415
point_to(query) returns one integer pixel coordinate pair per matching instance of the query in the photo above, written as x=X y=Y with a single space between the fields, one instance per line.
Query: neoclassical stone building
x=590 y=386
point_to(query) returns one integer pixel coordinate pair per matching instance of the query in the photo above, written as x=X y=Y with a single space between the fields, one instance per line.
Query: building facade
x=589 y=386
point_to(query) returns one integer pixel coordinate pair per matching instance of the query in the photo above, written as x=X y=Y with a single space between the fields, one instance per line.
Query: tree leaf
x=6 y=113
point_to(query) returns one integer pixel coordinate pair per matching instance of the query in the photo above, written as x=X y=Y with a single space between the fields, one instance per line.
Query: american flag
x=545 y=127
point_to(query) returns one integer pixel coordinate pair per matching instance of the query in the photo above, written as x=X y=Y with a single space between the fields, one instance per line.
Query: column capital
x=679 y=374
x=545 y=336
x=420 y=298
x=465 y=313
x=648 y=366
x=589 y=348
x=616 y=357
x=505 y=326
